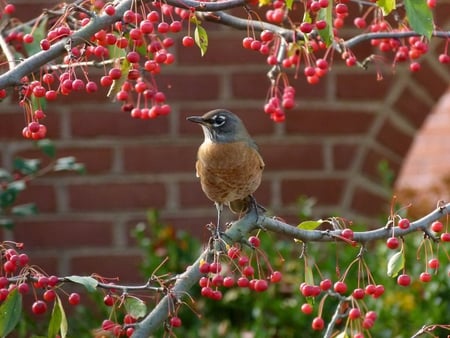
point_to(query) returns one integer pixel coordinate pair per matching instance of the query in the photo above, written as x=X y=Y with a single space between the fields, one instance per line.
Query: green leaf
x=309 y=277
x=420 y=17
x=68 y=163
x=327 y=33
x=5 y=175
x=117 y=84
x=309 y=225
x=58 y=321
x=395 y=264
x=201 y=39
x=10 y=312
x=386 y=6
x=27 y=166
x=47 y=147
x=6 y=223
x=88 y=282
x=289 y=4
x=7 y=198
x=24 y=209
x=135 y=307
x=39 y=33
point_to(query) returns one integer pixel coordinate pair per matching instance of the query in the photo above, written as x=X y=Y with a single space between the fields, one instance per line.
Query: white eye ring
x=218 y=120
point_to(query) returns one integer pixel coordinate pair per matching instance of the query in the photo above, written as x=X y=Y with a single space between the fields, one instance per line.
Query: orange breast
x=229 y=171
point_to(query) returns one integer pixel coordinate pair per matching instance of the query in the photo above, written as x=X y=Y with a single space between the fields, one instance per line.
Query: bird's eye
x=218 y=120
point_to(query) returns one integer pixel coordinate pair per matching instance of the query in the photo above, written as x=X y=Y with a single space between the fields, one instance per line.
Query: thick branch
x=240 y=229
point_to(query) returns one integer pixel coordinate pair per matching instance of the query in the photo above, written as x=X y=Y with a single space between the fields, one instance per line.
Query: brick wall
x=328 y=149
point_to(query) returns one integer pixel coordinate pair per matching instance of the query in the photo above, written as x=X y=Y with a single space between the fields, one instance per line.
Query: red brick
x=42 y=195
x=327 y=191
x=246 y=85
x=256 y=122
x=344 y=156
x=116 y=196
x=191 y=195
x=101 y=121
x=47 y=262
x=190 y=87
x=160 y=158
x=292 y=156
x=412 y=108
x=329 y=122
x=114 y=265
x=362 y=86
x=369 y=204
x=393 y=138
x=63 y=234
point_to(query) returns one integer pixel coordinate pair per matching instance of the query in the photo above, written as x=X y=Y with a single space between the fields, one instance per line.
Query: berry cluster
x=18 y=274
x=236 y=270
x=393 y=243
x=134 y=49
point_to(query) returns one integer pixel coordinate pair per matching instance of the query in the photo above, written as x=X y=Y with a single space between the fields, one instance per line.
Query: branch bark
x=240 y=229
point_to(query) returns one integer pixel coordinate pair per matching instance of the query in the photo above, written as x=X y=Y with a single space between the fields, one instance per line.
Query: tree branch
x=239 y=231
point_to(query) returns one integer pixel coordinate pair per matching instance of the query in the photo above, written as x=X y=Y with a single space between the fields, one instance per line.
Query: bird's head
x=222 y=126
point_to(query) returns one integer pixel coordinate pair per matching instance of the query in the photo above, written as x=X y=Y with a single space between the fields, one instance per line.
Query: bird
x=228 y=164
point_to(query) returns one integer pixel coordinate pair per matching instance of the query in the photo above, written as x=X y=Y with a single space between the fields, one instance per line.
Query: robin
x=228 y=162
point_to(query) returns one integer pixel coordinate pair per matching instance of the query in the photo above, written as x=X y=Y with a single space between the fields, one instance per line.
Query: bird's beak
x=196 y=119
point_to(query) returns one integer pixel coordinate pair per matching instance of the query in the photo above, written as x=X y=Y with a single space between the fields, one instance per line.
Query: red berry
x=39 y=307
x=23 y=288
x=206 y=291
x=425 y=277
x=318 y=324
x=341 y=8
x=74 y=298
x=233 y=252
x=228 y=282
x=445 y=237
x=49 y=295
x=254 y=241
x=347 y=233
x=433 y=263
x=379 y=290
x=9 y=9
x=248 y=271
x=110 y=10
x=133 y=57
x=261 y=285
x=340 y=287
x=28 y=38
x=175 y=322
x=243 y=260
x=215 y=267
x=444 y=58
x=404 y=280
x=216 y=295
x=437 y=226
x=188 y=41
x=358 y=293
x=325 y=284
x=9 y=267
x=354 y=313
x=243 y=282
x=275 y=277
x=307 y=308
x=163 y=27
x=306 y=27
x=108 y=300
x=392 y=243
x=91 y=87
x=403 y=223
